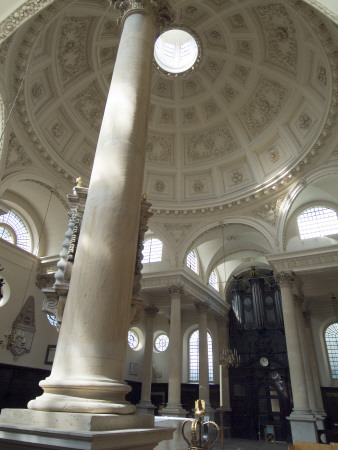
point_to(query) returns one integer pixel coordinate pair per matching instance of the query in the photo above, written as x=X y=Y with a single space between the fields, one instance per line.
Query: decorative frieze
x=21 y=14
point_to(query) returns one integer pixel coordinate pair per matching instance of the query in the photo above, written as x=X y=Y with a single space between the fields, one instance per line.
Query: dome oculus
x=176 y=51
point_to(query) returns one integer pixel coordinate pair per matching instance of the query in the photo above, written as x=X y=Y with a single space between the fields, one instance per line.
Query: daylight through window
x=316 y=222
x=152 y=251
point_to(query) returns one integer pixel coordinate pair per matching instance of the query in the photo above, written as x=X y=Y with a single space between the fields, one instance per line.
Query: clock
x=264 y=361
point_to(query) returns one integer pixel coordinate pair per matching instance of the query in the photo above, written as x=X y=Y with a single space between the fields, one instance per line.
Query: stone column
x=319 y=411
x=88 y=369
x=174 y=407
x=304 y=346
x=302 y=421
x=203 y=393
x=223 y=340
x=145 y=405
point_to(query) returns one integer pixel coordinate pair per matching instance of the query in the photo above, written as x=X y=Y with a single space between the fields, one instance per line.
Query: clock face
x=264 y=361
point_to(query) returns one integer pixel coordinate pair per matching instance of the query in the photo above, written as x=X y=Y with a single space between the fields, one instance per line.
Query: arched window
x=13 y=230
x=213 y=280
x=194 y=357
x=152 y=251
x=331 y=340
x=317 y=221
x=192 y=261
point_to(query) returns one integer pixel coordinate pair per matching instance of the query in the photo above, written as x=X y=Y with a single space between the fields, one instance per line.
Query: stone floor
x=243 y=444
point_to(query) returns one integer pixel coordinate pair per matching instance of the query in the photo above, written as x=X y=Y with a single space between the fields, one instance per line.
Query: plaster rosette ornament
x=23 y=329
x=163 y=13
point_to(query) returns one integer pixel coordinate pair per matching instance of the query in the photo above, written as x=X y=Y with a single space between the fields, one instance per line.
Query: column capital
x=176 y=290
x=285 y=279
x=201 y=307
x=151 y=311
x=159 y=9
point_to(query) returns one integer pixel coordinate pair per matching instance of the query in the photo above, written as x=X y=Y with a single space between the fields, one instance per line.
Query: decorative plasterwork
x=72 y=51
x=210 y=144
x=160 y=149
x=16 y=155
x=270 y=211
x=265 y=104
x=20 y=15
x=89 y=104
x=279 y=30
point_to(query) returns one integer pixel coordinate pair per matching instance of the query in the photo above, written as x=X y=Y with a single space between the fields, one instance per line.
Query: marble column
x=88 y=369
x=302 y=421
x=145 y=405
x=174 y=407
x=203 y=392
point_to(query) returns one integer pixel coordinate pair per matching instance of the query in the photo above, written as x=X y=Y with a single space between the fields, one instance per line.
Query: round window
x=161 y=343
x=133 y=339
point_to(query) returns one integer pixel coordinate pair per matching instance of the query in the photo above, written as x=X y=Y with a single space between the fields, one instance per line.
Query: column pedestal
x=62 y=430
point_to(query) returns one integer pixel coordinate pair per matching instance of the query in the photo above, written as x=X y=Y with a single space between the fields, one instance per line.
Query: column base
x=303 y=426
x=145 y=407
x=28 y=430
x=174 y=411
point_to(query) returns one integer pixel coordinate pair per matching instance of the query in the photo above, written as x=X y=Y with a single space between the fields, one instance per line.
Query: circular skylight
x=176 y=51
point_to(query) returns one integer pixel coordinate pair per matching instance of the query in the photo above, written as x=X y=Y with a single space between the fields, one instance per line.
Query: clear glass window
x=15 y=224
x=152 y=251
x=161 y=343
x=213 y=280
x=331 y=340
x=192 y=261
x=194 y=357
x=316 y=222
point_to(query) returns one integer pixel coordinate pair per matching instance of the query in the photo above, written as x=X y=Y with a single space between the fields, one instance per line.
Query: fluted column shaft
x=88 y=369
x=203 y=353
x=296 y=366
x=147 y=365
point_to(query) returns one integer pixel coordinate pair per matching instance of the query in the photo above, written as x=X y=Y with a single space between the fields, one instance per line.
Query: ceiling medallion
x=177 y=52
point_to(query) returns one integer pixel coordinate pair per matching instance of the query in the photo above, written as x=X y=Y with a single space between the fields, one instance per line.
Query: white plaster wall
x=321 y=317
x=20 y=275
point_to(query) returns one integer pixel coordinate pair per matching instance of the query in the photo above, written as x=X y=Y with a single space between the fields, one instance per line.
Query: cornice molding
x=307 y=260
x=192 y=288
